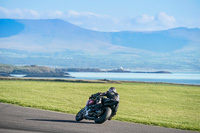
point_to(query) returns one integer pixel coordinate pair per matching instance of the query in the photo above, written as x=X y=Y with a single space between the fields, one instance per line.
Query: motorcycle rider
x=112 y=100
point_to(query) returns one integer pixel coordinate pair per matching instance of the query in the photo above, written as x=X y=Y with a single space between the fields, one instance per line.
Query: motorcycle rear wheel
x=104 y=116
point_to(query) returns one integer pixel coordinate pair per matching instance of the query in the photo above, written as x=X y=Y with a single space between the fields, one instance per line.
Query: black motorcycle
x=91 y=112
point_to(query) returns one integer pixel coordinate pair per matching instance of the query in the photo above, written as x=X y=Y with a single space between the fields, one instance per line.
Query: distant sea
x=176 y=77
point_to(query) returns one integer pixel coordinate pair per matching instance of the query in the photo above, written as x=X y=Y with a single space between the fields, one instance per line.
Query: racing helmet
x=112 y=89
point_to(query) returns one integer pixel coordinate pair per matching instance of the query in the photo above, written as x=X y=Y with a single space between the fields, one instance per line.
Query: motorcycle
x=91 y=112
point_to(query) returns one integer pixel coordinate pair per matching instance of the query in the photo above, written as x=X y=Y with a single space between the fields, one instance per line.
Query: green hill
x=31 y=71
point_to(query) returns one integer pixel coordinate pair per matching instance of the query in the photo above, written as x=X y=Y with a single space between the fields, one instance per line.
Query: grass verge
x=174 y=106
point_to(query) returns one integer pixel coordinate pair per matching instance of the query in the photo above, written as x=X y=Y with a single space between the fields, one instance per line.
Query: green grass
x=174 y=106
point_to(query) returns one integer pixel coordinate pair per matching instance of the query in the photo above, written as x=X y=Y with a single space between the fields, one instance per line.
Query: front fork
x=86 y=111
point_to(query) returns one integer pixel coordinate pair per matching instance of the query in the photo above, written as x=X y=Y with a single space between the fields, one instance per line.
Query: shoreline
x=88 y=81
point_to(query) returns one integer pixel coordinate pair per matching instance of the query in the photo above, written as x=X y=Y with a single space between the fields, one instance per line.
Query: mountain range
x=57 y=43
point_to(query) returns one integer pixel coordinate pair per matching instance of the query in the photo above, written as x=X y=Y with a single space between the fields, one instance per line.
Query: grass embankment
x=174 y=106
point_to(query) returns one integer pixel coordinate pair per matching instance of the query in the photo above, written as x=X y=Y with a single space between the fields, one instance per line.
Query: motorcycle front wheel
x=79 y=115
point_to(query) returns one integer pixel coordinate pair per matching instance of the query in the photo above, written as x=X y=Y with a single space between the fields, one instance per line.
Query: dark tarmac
x=16 y=119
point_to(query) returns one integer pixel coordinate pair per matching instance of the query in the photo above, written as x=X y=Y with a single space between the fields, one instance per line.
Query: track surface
x=16 y=119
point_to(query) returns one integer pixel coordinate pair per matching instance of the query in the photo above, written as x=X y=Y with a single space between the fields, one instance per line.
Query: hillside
x=31 y=71
x=58 y=34
x=54 y=42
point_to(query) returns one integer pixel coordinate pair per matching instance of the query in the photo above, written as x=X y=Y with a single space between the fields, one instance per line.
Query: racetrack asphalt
x=16 y=119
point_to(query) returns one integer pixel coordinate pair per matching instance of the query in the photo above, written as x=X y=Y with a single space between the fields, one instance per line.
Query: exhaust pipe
x=89 y=118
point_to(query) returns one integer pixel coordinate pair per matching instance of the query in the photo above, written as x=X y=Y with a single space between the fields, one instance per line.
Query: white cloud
x=4 y=10
x=54 y=14
x=73 y=13
x=19 y=13
x=160 y=21
x=145 y=19
x=91 y=20
x=165 y=19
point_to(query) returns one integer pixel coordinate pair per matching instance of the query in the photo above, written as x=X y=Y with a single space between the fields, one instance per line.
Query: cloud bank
x=99 y=22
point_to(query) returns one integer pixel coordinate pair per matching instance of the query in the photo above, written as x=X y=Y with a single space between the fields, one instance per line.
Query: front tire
x=79 y=115
x=104 y=117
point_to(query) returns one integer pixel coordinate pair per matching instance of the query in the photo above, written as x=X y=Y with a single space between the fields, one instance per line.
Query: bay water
x=176 y=77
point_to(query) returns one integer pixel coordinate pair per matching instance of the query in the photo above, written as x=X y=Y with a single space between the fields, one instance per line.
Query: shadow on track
x=69 y=121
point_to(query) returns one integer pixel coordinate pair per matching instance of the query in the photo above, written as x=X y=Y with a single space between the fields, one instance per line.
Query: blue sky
x=109 y=15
